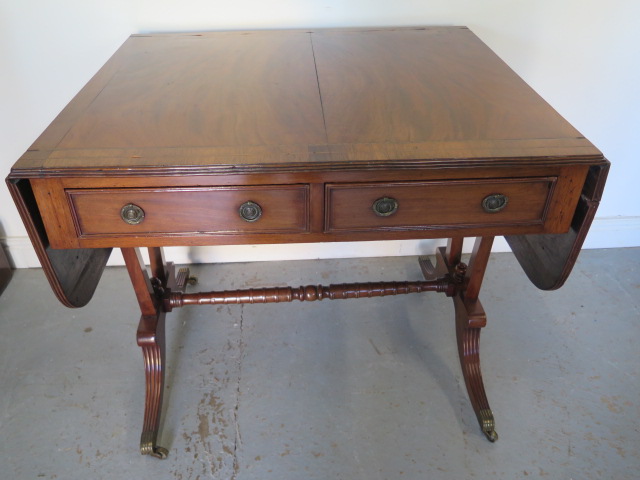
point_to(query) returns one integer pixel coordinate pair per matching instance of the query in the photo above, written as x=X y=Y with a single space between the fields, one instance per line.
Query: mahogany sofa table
x=271 y=137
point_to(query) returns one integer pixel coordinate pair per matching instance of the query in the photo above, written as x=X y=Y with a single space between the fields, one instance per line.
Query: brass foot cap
x=492 y=436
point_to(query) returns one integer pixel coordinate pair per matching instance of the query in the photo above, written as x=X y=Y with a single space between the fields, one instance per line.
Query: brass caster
x=148 y=446
x=492 y=436
x=488 y=424
x=159 y=452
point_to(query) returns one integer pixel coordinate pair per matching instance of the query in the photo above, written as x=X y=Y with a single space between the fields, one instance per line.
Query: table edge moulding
x=302 y=136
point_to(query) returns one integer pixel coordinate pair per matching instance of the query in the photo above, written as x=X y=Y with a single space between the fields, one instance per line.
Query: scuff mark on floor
x=212 y=440
x=238 y=438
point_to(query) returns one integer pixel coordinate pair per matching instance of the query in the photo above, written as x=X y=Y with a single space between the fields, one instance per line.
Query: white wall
x=582 y=56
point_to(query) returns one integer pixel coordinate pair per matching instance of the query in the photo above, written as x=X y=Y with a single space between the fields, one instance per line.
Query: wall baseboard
x=609 y=232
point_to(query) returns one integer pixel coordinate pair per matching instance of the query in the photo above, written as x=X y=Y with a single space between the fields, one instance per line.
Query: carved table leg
x=151 y=338
x=470 y=318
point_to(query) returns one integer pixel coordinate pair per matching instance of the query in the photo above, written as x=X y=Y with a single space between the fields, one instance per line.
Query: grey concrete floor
x=356 y=389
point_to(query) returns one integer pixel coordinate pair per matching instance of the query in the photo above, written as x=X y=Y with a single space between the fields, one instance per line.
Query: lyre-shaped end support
x=470 y=318
x=149 y=290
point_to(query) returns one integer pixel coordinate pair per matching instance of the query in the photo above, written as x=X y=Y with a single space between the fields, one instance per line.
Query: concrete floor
x=368 y=389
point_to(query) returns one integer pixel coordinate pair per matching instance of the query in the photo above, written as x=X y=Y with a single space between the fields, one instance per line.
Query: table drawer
x=191 y=210
x=437 y=204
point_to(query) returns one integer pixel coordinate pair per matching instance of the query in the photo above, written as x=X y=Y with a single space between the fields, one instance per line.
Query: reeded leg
x=470 y=319
x=151 y=338
x=469 y=352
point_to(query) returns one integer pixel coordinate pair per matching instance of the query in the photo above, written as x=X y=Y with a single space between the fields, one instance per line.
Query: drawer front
x=190 y=211
x=438 y=204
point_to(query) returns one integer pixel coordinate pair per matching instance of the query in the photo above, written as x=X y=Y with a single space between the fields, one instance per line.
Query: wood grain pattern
x=309 y=158
x=72 y=273
x=141 y=282
x=157 y=266
x=191 y=211
x=260 y=101
x=194 y=91
x=435 y=204
x=54 y=208
x=314 y=126
x=548 y=259
x=453 y=251
x=437 y=84
x=204 y=212
x=477 y=266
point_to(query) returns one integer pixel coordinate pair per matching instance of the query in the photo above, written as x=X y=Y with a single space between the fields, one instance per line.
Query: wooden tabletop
x=241 y=101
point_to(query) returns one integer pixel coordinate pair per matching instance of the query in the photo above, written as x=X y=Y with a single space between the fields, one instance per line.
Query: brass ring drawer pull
x=250 y=211
x=385 y=206
x=494 y=203
x=132 y=214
